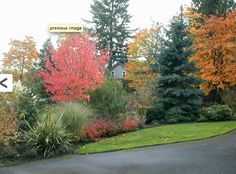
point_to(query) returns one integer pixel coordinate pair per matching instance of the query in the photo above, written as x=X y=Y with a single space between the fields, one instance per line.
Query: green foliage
x=7 y=152
x=178 y=91
x=214 y=7
x=216 y=113
x=37 y=84
x=109 y=100
x=28 y=107
x=111 y=20
x=45 y=52
x=75 y=116
x=229 y=98
x=155 y=114
x=48 y=137
x=143 y=98
x=34 y=97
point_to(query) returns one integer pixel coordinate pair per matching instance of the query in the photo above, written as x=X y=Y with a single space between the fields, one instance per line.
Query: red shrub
x=101 y=128
x=130 y=124
x=98 y=129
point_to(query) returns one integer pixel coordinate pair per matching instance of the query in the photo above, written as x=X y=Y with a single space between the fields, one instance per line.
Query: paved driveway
x=213 y=156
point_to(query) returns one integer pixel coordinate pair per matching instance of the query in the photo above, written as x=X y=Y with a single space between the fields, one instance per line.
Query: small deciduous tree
x=75 y=67
x=21 y=59
x=146 y=44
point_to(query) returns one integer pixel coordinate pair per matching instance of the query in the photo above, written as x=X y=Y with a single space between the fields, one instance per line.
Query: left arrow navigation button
x=2 y=83
x=6 y=83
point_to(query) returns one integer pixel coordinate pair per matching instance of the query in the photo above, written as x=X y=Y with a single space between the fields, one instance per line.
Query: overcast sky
x=30 y=17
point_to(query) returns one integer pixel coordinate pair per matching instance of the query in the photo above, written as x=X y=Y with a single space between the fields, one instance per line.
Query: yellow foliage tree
x=20 y=59
x=146 y=44
x=138 y=73
x=194 y=18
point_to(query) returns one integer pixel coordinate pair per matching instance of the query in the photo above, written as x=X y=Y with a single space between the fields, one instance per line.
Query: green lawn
x=160 y=135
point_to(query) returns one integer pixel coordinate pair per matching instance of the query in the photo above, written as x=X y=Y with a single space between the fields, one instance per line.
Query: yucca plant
x=48 y=137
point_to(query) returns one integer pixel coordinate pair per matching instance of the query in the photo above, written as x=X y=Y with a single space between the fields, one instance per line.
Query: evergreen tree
x=45 y=52
x=218 y=8
x=37 y=85
x=111 y=21
x=178 y=92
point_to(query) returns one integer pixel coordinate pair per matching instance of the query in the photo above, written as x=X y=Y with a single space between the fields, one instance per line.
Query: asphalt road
x=213 y=156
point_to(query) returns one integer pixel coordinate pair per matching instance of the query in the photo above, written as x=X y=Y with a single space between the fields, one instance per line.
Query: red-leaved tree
x=74 y=68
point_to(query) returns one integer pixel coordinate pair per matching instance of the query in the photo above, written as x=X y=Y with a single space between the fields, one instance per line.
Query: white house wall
x=118 y=70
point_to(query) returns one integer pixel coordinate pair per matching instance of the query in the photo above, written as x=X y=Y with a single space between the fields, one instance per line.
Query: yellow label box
x=65 y=28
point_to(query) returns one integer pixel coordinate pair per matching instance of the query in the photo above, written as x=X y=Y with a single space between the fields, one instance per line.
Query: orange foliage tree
x=215 y=46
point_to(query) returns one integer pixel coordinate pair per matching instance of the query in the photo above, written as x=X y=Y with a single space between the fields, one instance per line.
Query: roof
x=115 y=64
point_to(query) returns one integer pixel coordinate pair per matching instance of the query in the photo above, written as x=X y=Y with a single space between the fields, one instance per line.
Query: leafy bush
x=74 y=116
x=100 y=128
x=131 y=124
x=7 y=152
x=173 y=115
x=8 y=128
x=177 y=115
x=48 y=137
x=109 y=100
x=144 y=96
x=15 y=152
x=216 y=113
x=229 y=98
x=155 y=113
x=8 y=123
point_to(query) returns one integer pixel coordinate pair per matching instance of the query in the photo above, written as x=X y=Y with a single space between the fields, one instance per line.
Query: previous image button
x=6 y=83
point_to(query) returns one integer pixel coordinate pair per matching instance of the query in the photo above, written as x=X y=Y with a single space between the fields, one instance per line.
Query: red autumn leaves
x=74 y=68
